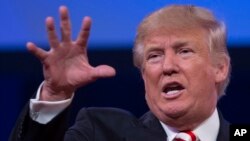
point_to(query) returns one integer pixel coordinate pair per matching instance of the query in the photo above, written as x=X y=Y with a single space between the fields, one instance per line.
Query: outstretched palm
x=66 y=65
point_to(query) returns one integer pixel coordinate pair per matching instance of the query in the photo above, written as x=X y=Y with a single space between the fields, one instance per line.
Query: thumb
x=103 y=71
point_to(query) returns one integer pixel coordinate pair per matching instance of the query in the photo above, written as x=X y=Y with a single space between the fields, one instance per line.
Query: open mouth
x=172 y=88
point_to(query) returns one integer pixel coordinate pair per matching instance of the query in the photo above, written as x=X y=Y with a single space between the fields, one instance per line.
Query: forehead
x=176 y=37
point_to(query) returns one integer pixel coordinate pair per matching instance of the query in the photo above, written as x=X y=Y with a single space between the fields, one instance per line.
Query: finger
x=53 y=39
x=104 y=71
x=83 y=36
x=38 y=52
x=65 y=24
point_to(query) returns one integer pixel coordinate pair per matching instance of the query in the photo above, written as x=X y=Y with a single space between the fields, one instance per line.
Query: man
x=182 y=55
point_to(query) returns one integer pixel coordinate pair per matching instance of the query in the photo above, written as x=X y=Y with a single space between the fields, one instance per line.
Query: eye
x=185 y=52
x=154 y=57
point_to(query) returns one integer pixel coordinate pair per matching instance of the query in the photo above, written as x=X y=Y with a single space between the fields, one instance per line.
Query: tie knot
x=186 y=136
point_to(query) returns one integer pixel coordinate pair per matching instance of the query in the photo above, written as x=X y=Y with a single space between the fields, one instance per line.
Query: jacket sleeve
x=83 y=128
x=28 y=130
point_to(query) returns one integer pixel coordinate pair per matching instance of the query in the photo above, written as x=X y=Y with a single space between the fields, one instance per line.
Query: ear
x=143 y=74
x=222 y=68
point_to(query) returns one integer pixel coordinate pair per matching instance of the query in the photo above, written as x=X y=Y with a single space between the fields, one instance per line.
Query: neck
x=186 y=122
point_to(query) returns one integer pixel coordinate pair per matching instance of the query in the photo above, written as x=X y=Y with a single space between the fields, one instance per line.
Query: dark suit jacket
x=98 y=124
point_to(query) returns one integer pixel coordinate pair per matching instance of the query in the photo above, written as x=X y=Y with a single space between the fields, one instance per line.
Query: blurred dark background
x=21 y=74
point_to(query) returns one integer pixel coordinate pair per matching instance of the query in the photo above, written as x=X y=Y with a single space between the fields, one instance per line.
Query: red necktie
x=186 y=136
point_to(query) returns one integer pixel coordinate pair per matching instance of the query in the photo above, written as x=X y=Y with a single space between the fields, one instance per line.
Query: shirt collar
x=209 y=126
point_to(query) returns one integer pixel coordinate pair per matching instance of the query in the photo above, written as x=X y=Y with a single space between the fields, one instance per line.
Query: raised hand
x=65 y=65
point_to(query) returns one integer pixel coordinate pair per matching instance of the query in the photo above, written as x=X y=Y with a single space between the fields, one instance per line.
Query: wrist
x=49 y=93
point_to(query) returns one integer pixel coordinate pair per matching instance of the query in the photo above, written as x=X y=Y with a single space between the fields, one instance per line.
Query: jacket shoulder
x=101 y=123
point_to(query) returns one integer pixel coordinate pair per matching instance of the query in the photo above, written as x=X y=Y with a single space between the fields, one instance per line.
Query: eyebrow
x=152 y=47
x=156 y=47
x=179 y=44
x=176 y=45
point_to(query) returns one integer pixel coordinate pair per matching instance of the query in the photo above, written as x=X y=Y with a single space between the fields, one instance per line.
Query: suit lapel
x=223 y=134
x=152 y=124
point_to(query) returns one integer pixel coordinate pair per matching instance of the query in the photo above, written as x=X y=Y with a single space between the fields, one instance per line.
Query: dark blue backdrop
x=21 y=74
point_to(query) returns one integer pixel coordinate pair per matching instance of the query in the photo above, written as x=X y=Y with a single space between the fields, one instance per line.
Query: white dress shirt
x=44 y=111
x=207 y=131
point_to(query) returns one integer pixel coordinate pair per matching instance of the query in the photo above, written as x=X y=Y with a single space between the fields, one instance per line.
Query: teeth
x=172 y=92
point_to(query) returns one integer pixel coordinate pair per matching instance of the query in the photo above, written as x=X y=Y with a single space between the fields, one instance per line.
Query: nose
x=170 y=66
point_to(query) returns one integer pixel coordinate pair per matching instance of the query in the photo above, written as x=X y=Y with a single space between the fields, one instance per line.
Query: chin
x=173 y=111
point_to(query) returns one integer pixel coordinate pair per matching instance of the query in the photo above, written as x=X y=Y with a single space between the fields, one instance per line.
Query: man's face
x=180 y=77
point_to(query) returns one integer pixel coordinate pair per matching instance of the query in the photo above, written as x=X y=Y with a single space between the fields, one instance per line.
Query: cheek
x=152 y=73
x=197 y=67
x=152 y=77
x=198 y=72
x=201 y=80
